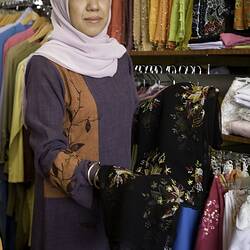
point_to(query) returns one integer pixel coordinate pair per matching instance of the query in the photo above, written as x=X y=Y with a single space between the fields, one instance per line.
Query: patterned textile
x=209 y=18
x=172 y=134
x=211 y=227
x=241 y=15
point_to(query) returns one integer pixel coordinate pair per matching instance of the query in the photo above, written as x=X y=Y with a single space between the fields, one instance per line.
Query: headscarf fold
x=91 y=56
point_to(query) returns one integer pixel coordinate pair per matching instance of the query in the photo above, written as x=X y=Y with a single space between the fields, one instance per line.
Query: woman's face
x=89 y=16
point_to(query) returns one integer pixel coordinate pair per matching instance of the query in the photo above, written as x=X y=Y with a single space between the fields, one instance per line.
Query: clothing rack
x=42 y=7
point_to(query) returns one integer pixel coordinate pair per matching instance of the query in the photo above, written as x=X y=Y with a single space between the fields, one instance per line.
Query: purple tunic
x=75 y=222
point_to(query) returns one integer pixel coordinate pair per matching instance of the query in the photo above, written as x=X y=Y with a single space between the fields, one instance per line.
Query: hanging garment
x=241 y=15
x=181 y=23
x=146 y=45
x=137 y=24
x=116 y=25
x=177 y=127
x=240 y=238
x=211 y=227
x=233 y=202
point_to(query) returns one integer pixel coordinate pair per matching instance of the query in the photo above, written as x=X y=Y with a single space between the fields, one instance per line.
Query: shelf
x=214 y=57
x=238 y=139
x=192 y=52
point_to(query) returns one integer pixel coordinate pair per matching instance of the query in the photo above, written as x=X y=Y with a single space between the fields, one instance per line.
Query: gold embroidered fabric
x=146 y=45
x=247 y=13
x=137 y=24
x=153 y=14
x=239 y=15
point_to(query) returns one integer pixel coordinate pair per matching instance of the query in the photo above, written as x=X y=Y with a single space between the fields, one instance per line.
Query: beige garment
x=146 y=44
x=137 y=24
x=153 y=16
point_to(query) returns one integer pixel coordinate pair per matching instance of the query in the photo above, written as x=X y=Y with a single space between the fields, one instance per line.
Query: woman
x=80 y=103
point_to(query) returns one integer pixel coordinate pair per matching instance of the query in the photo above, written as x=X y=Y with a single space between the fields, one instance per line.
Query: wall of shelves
x=217 y=57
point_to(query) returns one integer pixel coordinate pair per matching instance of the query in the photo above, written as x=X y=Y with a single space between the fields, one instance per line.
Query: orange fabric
x=116 y=26
x=242 y=14
x=247 y=14
x=80 y=127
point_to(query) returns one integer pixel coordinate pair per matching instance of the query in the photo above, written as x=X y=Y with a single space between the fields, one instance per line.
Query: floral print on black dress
x=172 y=136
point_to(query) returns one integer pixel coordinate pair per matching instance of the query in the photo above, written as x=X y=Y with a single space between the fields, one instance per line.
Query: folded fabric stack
x=231 y=40
x=236 y=108
x=207 y=45
x=243 y=96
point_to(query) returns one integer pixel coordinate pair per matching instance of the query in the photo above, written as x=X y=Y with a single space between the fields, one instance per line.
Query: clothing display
x=229 y=108
x=170 y=117
x=211 y=227
x=99 y=154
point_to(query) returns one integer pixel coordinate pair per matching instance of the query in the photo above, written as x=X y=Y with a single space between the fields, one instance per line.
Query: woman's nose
x=93 y=5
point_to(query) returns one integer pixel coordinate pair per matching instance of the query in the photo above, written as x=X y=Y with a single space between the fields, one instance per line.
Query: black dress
x=172 y=135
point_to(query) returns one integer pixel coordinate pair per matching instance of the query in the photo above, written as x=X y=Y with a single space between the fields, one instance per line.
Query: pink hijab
x=91 y=56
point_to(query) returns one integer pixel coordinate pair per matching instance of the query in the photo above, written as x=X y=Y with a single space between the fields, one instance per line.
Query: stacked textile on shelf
x=235 y=109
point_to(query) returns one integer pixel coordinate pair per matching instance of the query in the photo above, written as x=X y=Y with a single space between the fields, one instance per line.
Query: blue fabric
x=4 y=36
x=186 y=229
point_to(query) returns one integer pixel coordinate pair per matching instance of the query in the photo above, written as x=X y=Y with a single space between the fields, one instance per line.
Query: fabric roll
x=137 y=24
x=116 y=24
x=241 y=128
x=146 y=45
x=153 y=14
x=186 y=228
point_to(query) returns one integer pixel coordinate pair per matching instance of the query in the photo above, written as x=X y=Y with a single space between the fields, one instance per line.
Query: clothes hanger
x=9 y=18
x=41 y=33
x=39 y=22
x=31 y=17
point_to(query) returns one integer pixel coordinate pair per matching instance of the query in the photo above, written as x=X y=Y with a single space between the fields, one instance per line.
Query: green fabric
x=180 y=29
x=16 y=161
x=14 y=56
x=174 y=21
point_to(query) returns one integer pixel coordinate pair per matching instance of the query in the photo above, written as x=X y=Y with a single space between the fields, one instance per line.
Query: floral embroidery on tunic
x=210 y=219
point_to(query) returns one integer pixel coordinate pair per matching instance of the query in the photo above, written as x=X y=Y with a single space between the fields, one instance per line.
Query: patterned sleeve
x=44 y=116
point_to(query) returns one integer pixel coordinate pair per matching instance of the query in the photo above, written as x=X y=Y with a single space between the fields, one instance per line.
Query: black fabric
x=210 y=18
x=138 y=209
x=172 y=133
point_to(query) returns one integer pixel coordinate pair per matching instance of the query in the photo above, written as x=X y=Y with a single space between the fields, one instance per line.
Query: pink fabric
x=241 y=128
x=92 y=56
x=230 y=39
x=211 y=228
x=17 y=38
